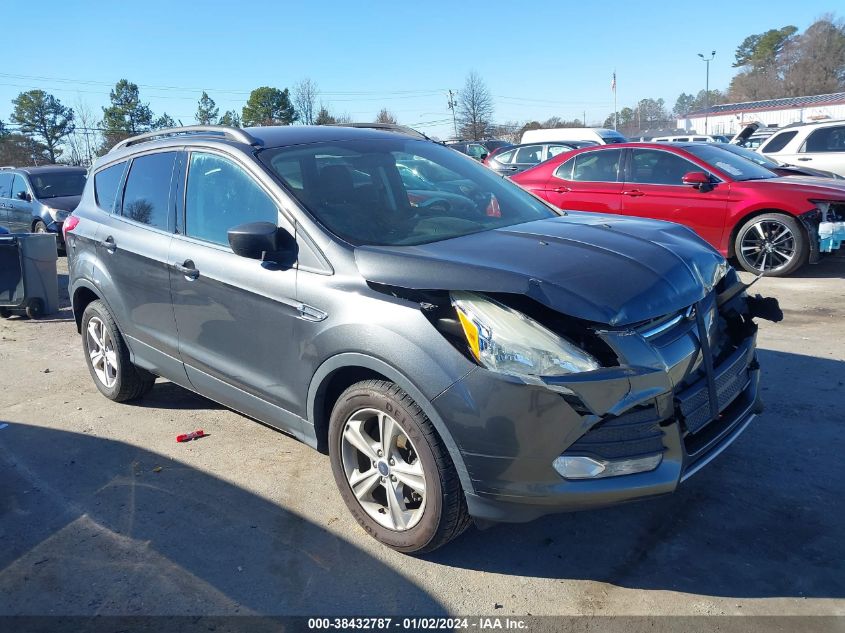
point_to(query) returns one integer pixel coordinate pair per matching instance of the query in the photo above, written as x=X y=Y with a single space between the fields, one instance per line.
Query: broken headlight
x=505 y=340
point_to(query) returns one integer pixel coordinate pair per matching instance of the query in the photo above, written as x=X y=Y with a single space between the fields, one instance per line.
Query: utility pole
x=707 y=61
x=615 y=113
x=452 y=105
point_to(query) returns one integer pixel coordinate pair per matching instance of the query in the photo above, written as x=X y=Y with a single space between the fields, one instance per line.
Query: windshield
x=381 y=192
x=751 y=155
x=736 y=167
x=58 y=184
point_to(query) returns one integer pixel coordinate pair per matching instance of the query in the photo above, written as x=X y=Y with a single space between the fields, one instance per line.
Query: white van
x=700 y=138
x=599 y=135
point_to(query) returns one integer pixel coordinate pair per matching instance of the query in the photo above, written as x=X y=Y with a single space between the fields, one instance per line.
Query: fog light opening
x=583 y=467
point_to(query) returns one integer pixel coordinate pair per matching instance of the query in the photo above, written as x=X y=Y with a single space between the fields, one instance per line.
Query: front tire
x=772 y=244
x=107 y=357
x=39 y=227
x=392 y=469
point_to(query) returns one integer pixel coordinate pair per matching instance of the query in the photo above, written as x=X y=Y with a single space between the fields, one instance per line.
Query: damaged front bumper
x=673 y=404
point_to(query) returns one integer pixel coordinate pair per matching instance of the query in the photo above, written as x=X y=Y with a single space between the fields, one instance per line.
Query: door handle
x=109 y=244
x=805 y=159
x=187 y=268
x=562 y=190
x=634 y=193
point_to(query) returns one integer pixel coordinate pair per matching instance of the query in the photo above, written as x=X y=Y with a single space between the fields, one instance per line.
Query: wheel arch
x=339 y=372
x=83 y=294
x=740 y=222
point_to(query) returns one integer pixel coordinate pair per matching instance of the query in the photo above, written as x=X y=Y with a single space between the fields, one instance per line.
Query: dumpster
x=28 y=279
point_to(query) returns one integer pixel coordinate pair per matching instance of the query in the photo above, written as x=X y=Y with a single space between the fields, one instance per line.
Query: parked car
x=753 y=135
x=818 y=145
x=477 y=149
x=38 y=199
x=453 y=363
x=517 y=158
x=599 y=135
x=781 y=169
x=769 y=223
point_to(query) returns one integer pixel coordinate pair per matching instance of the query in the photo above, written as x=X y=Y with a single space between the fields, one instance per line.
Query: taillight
x=69 y=224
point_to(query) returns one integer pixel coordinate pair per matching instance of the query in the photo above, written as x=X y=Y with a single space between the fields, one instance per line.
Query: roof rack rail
x=387 y=127
x=232 y=133
x=8 y=167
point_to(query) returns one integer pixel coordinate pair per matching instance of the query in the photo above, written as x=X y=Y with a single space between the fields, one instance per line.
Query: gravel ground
x=102 y=512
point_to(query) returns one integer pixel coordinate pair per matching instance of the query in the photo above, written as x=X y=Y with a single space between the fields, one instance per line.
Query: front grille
x=634 y=433
x=731 y=378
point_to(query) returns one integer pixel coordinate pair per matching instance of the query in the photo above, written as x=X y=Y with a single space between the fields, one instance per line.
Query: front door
x=236 y=316
x=654 y=189
x=20 y=213
x=589 y=181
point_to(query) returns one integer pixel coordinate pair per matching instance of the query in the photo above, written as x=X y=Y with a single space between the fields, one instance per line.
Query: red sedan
x=769 y=223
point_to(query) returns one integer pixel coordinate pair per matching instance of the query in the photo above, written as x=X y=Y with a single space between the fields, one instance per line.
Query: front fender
x=358 y=360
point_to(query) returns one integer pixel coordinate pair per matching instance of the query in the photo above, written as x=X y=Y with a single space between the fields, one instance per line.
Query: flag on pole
x=613 y=82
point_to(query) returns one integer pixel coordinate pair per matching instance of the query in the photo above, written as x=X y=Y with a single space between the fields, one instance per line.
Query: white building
x=730 y=118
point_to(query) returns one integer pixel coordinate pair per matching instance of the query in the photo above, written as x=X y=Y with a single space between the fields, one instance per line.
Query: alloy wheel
x=768 y=245
x=101 y=352
x=383 y=469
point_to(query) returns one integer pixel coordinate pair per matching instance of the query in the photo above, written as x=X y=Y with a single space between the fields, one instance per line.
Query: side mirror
x=697 y=179
x=23 y=195
x=260 y=240
x=483 y=156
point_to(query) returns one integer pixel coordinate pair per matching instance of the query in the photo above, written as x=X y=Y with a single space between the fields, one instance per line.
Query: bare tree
x=386 y=116
x=305 y=94
x=475 y=108
x=86 y=137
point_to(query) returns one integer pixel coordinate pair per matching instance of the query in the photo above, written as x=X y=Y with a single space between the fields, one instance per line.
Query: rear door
x=654 y=189
x=589 y=181
x=134 y=241
x=236 y=316
x=823 y=149
x=526 y=157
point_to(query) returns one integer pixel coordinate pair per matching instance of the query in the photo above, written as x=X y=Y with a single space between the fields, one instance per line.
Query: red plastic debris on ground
x=187 y=437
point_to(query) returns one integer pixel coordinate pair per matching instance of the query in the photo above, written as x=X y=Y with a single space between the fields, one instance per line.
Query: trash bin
x=28 y=278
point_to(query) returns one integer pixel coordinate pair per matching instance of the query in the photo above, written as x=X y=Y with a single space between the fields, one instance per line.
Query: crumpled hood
x=64 y=203
x=603 y=268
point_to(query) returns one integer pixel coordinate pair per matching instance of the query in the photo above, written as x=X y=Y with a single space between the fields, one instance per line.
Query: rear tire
x=772 y=244
x=39 y=227
x=107 y=357
x=429 y=508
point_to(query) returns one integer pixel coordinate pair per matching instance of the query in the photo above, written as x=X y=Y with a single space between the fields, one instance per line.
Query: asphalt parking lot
x=102 y=512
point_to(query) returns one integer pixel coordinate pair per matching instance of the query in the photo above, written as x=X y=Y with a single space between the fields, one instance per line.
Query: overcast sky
x=538 y=58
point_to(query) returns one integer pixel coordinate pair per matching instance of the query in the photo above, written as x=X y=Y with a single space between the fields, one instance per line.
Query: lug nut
x=393 y=478
x=380 y=453
x=392 y=462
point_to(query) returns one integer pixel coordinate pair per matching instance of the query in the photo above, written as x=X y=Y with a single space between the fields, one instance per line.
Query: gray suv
x=496 y=360
x=38 y=199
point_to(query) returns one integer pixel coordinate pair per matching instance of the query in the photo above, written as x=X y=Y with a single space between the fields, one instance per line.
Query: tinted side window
x=146 y=198
x=18 y=186
x=565 y=170
x=5 y=185
x=828 y=139
x=779 y=141
x=106 y=182
x=554 y=150
x=531 y=154
x=649 y=166
x=504 y=157
x=221 y=195
x=476 y=151
x=600 y=166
